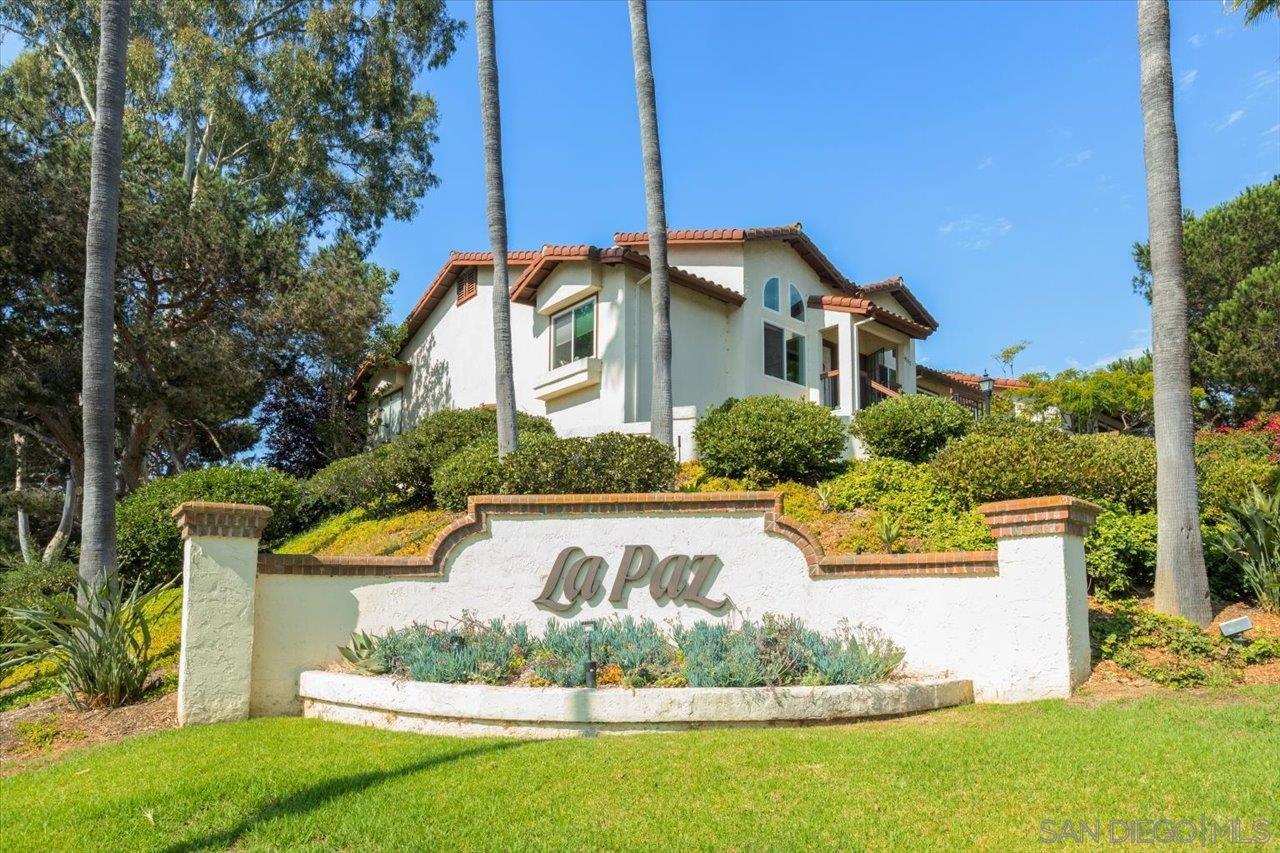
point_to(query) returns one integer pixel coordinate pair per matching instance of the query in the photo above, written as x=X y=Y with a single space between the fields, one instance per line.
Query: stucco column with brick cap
x=1040 y=544
x=219 y=573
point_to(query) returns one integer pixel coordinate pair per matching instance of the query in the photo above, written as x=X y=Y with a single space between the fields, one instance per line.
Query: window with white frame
x=783 y=354
x=573 y=333
x=772 y=300
x=390 y=415
x=797 y=303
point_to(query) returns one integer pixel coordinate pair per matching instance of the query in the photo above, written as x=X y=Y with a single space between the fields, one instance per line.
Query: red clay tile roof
x=898 y=289
x=865 y=307
x=792 y=235
x=439 y=286
x=972 y=379
x=525 y=288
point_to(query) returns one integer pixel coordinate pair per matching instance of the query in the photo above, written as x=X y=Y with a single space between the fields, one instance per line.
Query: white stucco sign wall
x=1013 y=621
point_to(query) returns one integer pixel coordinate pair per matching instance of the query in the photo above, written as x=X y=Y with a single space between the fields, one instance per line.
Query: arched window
x=771 y=297
x=797 y=303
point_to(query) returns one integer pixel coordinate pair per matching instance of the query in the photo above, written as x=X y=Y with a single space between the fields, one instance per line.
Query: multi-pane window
x=573 y=333
x=884 y=367
x=390 y=415
x=783 y=354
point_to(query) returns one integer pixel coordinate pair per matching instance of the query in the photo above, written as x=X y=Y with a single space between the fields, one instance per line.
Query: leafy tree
x=256 y=134
x=1009 y=353
x=1182 y=584
x=1123 y=390
x=1232 y=275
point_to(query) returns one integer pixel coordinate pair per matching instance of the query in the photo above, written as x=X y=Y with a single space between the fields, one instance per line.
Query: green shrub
x=912 y=427
x=608 y=463
x=718 y=654
x=100 y=641
x=1166 y=649
x=400 y=473
x=1009 y=458
x=468 y=652
x=1120 y=553
x=150 y=545
x=22 y=583
x=767 y=439
x=913 y=500
x=854 y=655
x=1251 y=540
x=1229 y=465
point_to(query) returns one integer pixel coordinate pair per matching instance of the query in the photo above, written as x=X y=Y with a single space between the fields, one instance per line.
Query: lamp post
x=986 y=385
x=589 y=667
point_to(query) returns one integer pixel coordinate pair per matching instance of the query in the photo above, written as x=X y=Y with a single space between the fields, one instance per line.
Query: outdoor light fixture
x=1233 y=629
x=986 y=385
x=589 y=668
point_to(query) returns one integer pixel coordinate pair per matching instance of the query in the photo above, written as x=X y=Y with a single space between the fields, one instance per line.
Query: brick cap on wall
x=1056 y=515
x=205 y=518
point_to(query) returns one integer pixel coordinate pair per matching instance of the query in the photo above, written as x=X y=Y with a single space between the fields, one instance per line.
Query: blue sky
x=990 y=153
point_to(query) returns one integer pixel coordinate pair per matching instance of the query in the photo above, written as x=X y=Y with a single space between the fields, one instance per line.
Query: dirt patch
x=46 y=729
x=1263 y=622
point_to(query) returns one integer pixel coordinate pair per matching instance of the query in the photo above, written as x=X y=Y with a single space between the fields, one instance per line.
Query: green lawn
x=985 y=776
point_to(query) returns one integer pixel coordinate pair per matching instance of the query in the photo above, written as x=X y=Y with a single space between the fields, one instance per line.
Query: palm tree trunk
x=1182 y=587
x=98 y=527
x=659 y=280
x=504 y=380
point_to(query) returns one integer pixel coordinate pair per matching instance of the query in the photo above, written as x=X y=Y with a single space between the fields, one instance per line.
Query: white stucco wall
x=1020 y=635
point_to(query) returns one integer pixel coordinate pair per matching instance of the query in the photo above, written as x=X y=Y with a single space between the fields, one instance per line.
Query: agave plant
x=362 y=653
x=1251 y=540
x=889 y=529
x=100 y=641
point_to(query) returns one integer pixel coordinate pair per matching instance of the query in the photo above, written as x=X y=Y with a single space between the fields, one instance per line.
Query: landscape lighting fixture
x=1233 y=629
x=589 y=668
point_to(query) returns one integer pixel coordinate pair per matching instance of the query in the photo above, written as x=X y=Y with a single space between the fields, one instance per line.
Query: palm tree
x=491 y=121
x=98 y=388
x=1255 y=9
x=1182 y=587
x=659 y=278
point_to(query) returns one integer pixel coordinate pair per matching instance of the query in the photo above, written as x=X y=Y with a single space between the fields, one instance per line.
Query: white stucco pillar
x=1040 y=635
x=847 y=364
x=219 y=575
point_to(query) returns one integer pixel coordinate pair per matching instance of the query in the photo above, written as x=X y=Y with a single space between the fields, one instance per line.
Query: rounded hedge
x=147 y=537
x=401 y=472
x=1120 y=553
x=608 y=463
x=912 y=427
x=767 y=439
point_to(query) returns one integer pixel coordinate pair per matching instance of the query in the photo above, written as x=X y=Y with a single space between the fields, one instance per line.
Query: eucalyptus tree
x=491 y=128
x=660 y=415
x=1182 y=586
x=98 y=373
x=257 y=133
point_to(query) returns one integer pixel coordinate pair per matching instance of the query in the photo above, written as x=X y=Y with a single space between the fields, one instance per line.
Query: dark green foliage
x=22 y=583
x=608 y=463
x=1229 y=465
x=1233 y=287
x=100 y=641
x=767 y=439
x=912 y=427
x=400 y=473
x=1166 y=649
x=149 y=541
x=1120 y=553
x=780 y=651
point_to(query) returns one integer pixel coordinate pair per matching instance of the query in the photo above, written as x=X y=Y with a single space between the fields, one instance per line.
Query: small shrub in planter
x=912 y=427
x=149 y=542
x=767 y=439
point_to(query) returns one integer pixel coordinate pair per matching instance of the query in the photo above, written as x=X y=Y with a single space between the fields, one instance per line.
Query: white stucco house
x=753 y=311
